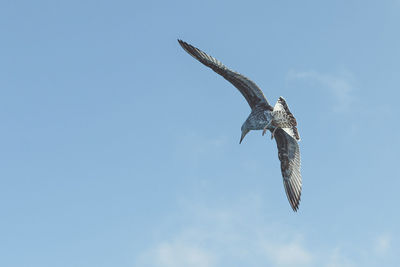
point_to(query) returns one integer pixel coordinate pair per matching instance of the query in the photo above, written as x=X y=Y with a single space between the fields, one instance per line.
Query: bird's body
x=278 y=119
x=258 y=118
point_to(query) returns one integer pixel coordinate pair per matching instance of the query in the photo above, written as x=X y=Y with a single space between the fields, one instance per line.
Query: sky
x=119 y=149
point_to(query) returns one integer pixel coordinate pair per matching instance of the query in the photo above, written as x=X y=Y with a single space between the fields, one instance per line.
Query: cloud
x=340 y=86
x=335 y=258
x=241 y=235
x=289 y=254
x=184 y=250
x=382 y=244
x=181 y=254
x=227 y=237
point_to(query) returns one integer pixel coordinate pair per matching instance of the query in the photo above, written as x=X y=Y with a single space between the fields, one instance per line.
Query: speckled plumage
x=278 y=119
x=259 y=117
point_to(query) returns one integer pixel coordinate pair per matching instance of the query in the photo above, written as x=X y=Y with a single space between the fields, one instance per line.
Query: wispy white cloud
x=292 y=253
x=382 y=244
x=179 y=253
x=226 y=236
x=335 y=258
x=238 y=236
x=340 y=86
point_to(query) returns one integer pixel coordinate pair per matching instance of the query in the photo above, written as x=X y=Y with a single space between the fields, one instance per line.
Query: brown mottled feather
x=292 y=119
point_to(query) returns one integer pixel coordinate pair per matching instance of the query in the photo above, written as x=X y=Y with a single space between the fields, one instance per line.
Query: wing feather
x=251 y=92
x=289 y=155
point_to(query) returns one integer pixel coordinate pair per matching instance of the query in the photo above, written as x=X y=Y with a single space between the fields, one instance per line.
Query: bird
x=278 y=120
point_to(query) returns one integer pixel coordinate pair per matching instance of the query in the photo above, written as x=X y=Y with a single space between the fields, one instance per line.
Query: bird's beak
x=243 y=135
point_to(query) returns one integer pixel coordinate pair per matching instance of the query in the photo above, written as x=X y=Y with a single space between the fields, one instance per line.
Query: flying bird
x=278 y=120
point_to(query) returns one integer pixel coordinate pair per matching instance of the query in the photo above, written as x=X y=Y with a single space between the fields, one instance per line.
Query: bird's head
x=244 y=132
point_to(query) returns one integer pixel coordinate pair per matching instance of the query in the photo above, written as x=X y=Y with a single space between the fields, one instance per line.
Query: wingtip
x=293 y=197
x=295 y=206
x=181 y=42
x=184 y=45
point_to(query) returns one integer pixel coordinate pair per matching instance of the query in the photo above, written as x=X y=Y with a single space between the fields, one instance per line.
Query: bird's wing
x=248 y=88
x=289 y=155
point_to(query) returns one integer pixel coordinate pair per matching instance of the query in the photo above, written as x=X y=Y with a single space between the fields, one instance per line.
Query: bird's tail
x=290 y=123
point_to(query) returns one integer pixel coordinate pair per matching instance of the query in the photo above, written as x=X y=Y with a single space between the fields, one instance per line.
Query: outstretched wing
x=289 y=155
x=248 y=88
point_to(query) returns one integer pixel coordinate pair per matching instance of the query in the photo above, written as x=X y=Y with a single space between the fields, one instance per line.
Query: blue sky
x=119 y=149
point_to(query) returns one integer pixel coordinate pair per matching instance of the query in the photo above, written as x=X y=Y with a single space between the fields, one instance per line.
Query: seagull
x=278 y=120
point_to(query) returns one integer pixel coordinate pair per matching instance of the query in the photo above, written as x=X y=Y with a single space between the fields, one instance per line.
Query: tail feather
x=282 y=107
